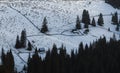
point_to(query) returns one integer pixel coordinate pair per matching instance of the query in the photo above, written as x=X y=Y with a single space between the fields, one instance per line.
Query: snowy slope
x=61 y=18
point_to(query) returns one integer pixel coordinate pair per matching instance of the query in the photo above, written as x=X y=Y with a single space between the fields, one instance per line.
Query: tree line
x=101 y=56
x=114 y=3
x=7 y=61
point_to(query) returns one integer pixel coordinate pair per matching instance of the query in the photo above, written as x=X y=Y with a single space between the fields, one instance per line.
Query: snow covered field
x=61 y=17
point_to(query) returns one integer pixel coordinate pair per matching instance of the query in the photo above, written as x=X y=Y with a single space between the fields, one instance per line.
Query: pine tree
x=100 y=20
x=11 y=59
x=80 y=48
x=88 y=18
x=86 y=47
x=62 y=57
x=93 y=22
x=85 y=17
x=62 y=51
x=115 y=18
x=29 y=46
x=78 y=25
x=117 y=27
x=37 y=63
x=9 y=62
x=108 y=29
x=24 y=68
x=44 y=28
x=17 y=45
x=23 y=38
x=30 y=65
x=48 y=62
x=114 y=37
x=54 y=50
x=55 y=60
x=3 y=56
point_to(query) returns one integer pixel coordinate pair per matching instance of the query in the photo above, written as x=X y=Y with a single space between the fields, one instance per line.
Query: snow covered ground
x=61 y=17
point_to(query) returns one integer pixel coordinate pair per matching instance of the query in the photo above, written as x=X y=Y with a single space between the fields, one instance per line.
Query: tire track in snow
x=23 y=16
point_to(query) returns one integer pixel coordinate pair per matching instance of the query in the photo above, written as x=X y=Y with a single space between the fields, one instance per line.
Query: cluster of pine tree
x=99 y=57
x=7 y=62
x=86 y=20
x=114 y=3
x=21 y=43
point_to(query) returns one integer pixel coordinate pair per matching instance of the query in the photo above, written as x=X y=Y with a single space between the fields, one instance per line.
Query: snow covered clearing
x=61 y=17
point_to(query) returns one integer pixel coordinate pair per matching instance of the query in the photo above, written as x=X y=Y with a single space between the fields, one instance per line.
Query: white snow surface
x=61 y=17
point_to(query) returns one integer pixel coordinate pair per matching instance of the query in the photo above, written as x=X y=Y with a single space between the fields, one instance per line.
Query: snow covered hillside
x=61 y=17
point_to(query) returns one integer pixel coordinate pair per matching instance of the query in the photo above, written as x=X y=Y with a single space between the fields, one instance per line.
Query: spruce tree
x=100 y=20
x=62 y=57
x=117 y=27
x=80 y=48
x=11 y=59
x=30 y=65
x=25 y=69
x=108 y=29
x=3 y=56
x=115 y=18
x=17 y=45
x=9 y=62
x=29 y=46
x=55 y=60
x=88 y=18
x=78 y=25
x=48 y=62
x=37 y=63
x=86 y=47
x=114 y=37
x=93 y=22
x=54 y=50
x=23 y=39
x=44 y=28
x=85 y=17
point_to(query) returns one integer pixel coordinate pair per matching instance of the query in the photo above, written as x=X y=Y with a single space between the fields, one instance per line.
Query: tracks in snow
x=51 y=34
x=62 y=33
x=24 y=16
